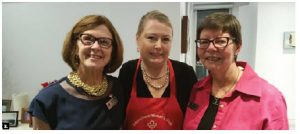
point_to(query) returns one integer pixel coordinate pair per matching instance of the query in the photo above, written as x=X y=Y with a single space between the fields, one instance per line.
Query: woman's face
x=213 y=58
x=95 y=55
x=154 y=42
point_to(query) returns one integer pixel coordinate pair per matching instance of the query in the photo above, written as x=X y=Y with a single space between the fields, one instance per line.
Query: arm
x=277 y=119
x=39 y=124
x=42 y=108
x=125 y=78
x=193 y=76
x=185 y=79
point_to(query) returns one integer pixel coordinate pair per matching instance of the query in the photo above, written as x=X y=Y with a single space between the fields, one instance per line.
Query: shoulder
x=178 y=64
x=114 y=80
x=111 y=78
x=130 y=64
x=50 y=91
x=271 y=98
x=258 y=86
x=127 y=69
x=270 y=92
x=181 y=68
x=45 y=99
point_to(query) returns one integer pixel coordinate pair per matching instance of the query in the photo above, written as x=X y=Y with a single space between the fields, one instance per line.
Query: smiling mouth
x=96 y=56
x=212 y=58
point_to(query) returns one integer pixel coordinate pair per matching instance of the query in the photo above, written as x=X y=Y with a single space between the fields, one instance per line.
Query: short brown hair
x=222 y=21
x=154 y=15
x=86 y=23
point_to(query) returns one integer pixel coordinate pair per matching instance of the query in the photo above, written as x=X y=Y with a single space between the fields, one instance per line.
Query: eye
x=87 y=39
x=204 y=41
x=166 y=40
x=104 y=42
x=220 y=41
x=152 y=38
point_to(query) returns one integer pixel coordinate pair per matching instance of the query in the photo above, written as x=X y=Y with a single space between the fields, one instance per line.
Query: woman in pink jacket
x=233 y=96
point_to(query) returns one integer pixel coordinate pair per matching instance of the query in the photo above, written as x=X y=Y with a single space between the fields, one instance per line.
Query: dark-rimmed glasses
x=89 y=40
x=219 y=42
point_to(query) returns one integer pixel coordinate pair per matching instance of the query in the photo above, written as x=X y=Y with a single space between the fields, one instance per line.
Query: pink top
x=254 y=105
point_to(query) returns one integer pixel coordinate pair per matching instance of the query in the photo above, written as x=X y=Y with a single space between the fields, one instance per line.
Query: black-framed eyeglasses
x=89 y=40
x=219 y=42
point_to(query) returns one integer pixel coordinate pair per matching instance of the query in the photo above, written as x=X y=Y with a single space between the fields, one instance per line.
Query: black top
x=184 y=75
x=208 y=118
x=62 y=110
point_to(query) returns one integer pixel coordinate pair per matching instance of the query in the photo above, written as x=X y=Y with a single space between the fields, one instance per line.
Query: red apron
x=153 y=113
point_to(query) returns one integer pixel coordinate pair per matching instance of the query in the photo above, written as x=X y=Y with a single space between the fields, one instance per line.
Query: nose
x=158 y=44
x=95 y=45
x=211 y=46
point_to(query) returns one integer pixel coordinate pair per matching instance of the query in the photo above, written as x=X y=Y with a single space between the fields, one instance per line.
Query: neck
x=223 y=78
x=224 y=83
x=90 y=77
x=154 y=70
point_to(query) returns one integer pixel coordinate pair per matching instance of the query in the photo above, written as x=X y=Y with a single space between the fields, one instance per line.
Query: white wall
x=33 y=35
x=247 y=15
x=274 y=63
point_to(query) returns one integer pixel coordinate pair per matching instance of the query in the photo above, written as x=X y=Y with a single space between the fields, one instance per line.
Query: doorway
x=201 y=14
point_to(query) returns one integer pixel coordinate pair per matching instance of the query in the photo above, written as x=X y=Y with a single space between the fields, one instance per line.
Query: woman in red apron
x=156 y=88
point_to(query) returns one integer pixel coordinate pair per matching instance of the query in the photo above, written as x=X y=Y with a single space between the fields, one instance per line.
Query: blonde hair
x=153 y=15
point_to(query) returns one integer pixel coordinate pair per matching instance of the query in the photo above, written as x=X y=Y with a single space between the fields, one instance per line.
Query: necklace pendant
x=216 y=101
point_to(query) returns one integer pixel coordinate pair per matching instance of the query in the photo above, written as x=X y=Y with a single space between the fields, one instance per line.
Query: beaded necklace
x=149 y=79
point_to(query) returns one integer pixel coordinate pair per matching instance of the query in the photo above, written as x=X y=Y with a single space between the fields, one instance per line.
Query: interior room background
x=33 y=34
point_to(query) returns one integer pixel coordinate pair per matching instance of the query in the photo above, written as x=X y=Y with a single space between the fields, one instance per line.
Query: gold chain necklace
x=96 y=90
x=148 y=81
x=216 y=100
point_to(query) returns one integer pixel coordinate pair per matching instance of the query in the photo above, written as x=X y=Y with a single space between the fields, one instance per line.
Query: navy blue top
x=61 y=110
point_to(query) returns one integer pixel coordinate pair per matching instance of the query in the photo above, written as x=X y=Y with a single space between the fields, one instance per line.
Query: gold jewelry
x=148 y=81
x=96 y=90
x=148 y=77
x=152 y=77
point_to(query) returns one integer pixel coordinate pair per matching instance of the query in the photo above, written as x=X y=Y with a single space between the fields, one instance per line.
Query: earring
x=77 y=60
x=235 y=56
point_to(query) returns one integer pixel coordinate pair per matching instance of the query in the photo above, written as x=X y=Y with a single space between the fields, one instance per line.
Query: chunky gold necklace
x=148 y=77
x=96 y=90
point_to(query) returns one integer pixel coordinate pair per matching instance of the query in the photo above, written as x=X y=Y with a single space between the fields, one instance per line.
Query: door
x=201 y=14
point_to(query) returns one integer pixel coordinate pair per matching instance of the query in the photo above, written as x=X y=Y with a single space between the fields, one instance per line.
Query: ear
x=238 y=49
x=137 y=42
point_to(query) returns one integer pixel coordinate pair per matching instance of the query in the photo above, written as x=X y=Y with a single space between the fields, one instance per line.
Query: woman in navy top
x=87 y=98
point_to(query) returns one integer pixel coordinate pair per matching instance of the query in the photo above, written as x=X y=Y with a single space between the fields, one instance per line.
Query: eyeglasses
x=219 y=42
x=89 y=40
